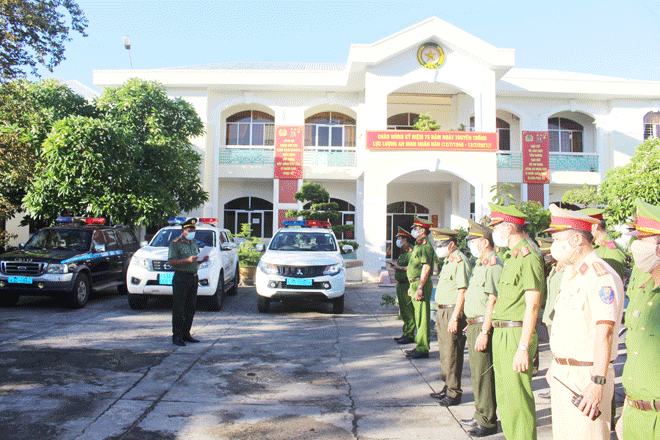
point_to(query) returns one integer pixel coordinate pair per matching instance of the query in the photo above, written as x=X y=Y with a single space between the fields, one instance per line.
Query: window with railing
x=402 y=121
x=330 y=129
x=652 y=125
x=503 y=133
x=250 y=127
x=565 y=135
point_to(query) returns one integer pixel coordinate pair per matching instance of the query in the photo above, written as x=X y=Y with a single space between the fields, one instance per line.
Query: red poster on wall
x=536 y=157
x=289 y=152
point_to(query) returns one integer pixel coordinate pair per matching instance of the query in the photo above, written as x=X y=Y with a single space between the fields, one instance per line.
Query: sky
x=620 y=39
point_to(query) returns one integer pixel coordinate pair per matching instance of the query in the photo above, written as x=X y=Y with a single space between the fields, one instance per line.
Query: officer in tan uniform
x=584 y=339
x=604 y=245
x=404 y=242
x=450 y=320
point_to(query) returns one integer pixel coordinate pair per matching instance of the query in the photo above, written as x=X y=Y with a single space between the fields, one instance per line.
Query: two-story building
x=593 y=123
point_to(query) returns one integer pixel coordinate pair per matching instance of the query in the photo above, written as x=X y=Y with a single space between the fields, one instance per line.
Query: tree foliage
x=425 y=123
x=34 y=32
x=134 y=161
x=538 y=218
x=320 y=207
x=587 y=196
x=640 y=178
x=27 y=112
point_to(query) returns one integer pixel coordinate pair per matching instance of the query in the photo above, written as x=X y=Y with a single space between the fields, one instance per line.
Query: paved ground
x=108 y=372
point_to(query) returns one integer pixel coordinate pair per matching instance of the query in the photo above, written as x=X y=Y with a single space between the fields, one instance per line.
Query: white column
x=460 y=204
x=358 y=227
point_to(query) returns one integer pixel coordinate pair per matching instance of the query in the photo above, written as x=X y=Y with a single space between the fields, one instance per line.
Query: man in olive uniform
x=450 y=320
x=479 y=302
x=515 y=341
x=605 y=247
x=585 y=337
x=420 y=268
x=641 y=375
x=182 y=257
x=404 y=242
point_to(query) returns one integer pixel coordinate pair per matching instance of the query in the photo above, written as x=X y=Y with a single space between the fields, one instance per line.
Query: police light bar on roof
x=69 y=219
x=95 y=221
x=307 y=223
x=208 y=221
x=176 y=220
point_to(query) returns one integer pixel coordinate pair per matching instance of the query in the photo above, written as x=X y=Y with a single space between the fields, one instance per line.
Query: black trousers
x=184 y=290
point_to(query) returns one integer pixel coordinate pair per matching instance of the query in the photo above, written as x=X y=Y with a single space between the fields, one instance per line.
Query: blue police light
x=64 y=220
x=287 y=223
x=176 y=220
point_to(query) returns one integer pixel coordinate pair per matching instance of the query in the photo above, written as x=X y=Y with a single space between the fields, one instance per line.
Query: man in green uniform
x=404 y=242
x=605 y=247
x=641 y=375
x=182 y=257
x=515 y=341
x=450 y=320
x=479 y=302
x=420 y=268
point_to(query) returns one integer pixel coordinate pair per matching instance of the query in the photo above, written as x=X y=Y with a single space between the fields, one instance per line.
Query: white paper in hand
x=204 y=252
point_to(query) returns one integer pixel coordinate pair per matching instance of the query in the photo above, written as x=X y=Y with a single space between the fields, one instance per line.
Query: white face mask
x=645 y=255
x=474 y=248
x=415 y=233
x=498 y=240
x=399 y=243
x=562 y=250
x=442 y=252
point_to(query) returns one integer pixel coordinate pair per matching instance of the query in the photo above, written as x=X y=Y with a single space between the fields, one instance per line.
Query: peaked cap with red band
x=648 y=219
x=509 y=214
x=596 y=213
x=406 y=234
x=563 y=219
x=422 y=222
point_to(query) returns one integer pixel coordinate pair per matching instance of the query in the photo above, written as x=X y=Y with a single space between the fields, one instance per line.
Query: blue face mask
x=190 y=236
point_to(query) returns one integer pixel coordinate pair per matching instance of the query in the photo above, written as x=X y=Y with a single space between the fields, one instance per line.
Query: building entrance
x=401 y=214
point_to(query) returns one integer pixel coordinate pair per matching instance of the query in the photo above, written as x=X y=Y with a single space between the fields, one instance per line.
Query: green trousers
x=514 y=390
x=422 y=313
x=406 y=309
x=184 y=301
x=483 y=378
x=640 y=425
x=451 y=347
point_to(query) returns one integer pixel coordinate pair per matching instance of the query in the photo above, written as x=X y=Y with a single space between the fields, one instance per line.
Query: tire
x=263 y=304
x=79 y=295
x=122 y=289
x=338 y=305
x=237 y=279
x=137 y=302
x=215 y=302
x=8 y=298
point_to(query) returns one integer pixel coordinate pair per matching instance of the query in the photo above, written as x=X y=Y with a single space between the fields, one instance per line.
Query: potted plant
x=248 y=255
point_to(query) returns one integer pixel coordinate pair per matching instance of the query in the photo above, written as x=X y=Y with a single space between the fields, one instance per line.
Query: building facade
x=593 y=123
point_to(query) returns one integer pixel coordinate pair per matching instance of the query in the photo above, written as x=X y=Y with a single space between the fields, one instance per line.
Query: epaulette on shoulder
x=515 y=252
x=458 y=258
x=611 y=244
x=177 y=239
x=599 y=268
x=524 y=251
x=493 y=260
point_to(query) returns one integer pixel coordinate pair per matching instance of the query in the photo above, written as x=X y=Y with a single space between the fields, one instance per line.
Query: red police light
x=95 y=221
x=208 y=220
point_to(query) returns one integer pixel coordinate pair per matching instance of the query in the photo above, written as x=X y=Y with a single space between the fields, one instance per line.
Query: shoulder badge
x=484 y=262
x=409 y=249
x=514 y=254
x=493 y=260
x=524 y=251
x=584 y=268
x=599 y=268
x=603 y=243
x=458 y=259
x=607 y=295
x=611 y=244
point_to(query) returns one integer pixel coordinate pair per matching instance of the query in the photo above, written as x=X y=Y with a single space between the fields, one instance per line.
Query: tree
x=640 y=178
x=133 y=162
x=320 y=208
x=34 y=32
x=425 y=123
x=27 y=113
x=538 y=218
x=585 y=197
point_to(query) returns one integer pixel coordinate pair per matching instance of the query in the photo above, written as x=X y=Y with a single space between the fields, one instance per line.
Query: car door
x=100 y=265
x=114 y=251
x=226 y=255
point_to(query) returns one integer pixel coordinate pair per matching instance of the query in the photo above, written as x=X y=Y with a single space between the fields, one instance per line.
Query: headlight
x=57 y=268
x=333 y=269
x=206 y=264
x=142 y=262
x=267 y=268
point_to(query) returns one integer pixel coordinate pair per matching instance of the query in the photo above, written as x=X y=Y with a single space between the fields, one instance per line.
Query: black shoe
x=441 y=394
x=409 y=352
x=450 y=401
x=418 y=355
x=189 y=338
x=545 y=394
x=469 y=422
x=176 y=340
x=404 y=340
x=480 y=431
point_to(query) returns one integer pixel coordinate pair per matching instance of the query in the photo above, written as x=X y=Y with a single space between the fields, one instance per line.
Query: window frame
x=252 y=124
x=331 y=128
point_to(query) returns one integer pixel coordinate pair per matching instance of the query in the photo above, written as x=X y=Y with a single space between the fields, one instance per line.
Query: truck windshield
x=164 y=236
x=303 y=241
x=66 y=239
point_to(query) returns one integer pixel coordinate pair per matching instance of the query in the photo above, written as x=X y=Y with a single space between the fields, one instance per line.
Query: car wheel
x=122 y=289
x=8 y=298
x=137 y=302
x=79 y=295
x=215 y=302
x=338 y=305
x=237 y=279
x=263 y=304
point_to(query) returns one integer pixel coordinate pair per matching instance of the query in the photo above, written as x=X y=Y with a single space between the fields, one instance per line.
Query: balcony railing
x=266 y=156
x=558 y=161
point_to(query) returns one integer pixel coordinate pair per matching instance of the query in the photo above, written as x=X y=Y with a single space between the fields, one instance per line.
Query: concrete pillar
x=460 y=204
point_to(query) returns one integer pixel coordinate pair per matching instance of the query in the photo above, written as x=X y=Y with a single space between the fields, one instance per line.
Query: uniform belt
x=446 y=306
x=507 y=323
x=412 y=280
x=475 y=320
x=644 y=405
x=573 y=362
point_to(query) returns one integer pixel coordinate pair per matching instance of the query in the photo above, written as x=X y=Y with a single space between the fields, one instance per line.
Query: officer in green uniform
x=479 y=302
x=420 y=268
x=605 y=247
x=404 y=242
x=450 y=320
x=641 y=375
x=514 y=316
x=182 y=257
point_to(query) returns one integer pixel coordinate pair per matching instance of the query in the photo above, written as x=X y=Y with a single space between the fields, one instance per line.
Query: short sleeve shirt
x=589 y=293
x=483 y=282
x=455 y=274
x=421 y=254
x=523 y=270
x=404 y=257
x=179 y=249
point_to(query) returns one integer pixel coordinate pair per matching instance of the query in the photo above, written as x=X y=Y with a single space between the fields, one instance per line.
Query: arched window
x=652 y=125
x=330 y=129
x=503 y=132
x=253 y=210
x=402 y=121
x=347 y=217
x=565 y=135
x=251 y=127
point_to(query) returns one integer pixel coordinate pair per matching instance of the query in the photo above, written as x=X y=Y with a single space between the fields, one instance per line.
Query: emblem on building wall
x=430 y=56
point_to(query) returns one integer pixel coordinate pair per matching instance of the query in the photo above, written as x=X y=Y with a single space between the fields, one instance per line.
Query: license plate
x=165 y=278
x=20 y=280
x=299 y=281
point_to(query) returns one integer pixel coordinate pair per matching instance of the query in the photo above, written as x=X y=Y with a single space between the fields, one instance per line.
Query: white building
x=594 y=123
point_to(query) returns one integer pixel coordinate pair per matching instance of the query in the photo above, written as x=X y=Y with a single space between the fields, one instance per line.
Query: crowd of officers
x=493 y=305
